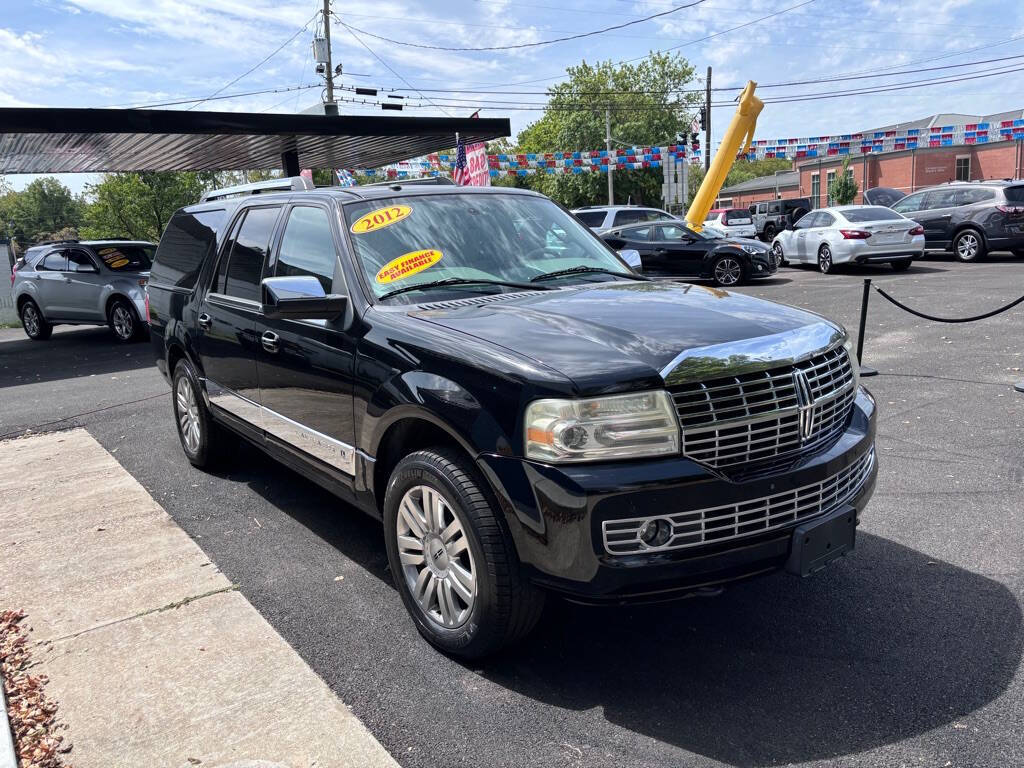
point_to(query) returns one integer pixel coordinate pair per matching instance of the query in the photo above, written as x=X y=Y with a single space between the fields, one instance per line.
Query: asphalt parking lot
x=907 y=653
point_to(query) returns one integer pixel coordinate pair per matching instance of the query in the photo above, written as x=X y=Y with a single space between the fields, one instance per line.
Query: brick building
x=906 y=170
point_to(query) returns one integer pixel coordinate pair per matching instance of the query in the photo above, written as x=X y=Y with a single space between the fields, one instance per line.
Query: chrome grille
x=749 y=518
x=754 y=417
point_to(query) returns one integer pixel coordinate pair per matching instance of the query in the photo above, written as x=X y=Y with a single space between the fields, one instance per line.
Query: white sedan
x=850 y=234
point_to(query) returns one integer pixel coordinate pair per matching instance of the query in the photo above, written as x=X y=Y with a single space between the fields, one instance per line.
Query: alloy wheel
x=124 y=324
x=967 y=246
x=825 y=259
x=728 y=271
x=188 y=413
x=436 y=560
x=30 y=319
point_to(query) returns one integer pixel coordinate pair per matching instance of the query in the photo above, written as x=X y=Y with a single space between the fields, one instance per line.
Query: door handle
x=660 y=251
x=270 y=340
x=205 y=321
x=67 y=279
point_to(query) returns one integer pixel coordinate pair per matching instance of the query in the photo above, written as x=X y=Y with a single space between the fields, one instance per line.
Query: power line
x=199 y=100
x=542 y=42
x=389 y=67
x=264 y=61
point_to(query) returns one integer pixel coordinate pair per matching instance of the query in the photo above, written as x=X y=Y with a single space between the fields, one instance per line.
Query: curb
x=7 y=757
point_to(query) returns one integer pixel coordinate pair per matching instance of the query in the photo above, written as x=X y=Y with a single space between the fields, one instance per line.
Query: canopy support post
x=290 y=162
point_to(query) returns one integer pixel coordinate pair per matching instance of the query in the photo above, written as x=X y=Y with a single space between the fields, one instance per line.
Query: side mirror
x=631 y=257
x=300 y=298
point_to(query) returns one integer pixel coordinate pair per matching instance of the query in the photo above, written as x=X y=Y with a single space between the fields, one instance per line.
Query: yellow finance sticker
x=408 y=264
x=380 y=218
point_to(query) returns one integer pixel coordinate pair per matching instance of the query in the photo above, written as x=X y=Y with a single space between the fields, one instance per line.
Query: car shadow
x=88 y=351
x=884 y=645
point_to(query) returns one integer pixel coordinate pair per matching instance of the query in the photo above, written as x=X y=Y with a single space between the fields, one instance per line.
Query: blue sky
x=100 y=53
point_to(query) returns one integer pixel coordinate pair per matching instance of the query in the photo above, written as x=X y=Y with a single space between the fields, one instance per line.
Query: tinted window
x=638 y=234
x=940 y=198
x=1014 y=194
x=53 y=262
x=774 y=207
x=909 y=203
x=591 y=218
x=249 y=252
x=629 y=217
x=187 y=242
x=971 y=196
x=307 y=247
x=762 y=207
x=79 y=261
x=676 y=232
x=871 y=213
x=126 y=258
x=653 y=216
x=806 y=222
x=737 y=216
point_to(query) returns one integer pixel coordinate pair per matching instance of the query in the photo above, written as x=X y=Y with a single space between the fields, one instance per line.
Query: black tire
x=825 y=264
x=210 y=445
x=769 y=232
x=505 y=605
x=728 y=270
x=969 y=246
x=124 y=322
x=33 y=322
x=902 y=265
x=780 y=256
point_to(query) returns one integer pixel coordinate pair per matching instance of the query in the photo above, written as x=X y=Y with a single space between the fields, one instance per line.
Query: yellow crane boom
x=739 y=134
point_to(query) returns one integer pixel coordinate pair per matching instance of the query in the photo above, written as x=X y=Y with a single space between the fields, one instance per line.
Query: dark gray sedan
x=97 y=282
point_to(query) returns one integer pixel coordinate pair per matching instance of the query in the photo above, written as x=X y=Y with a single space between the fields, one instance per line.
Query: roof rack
x=424 y=180
x=288 y=184
x=54 y=242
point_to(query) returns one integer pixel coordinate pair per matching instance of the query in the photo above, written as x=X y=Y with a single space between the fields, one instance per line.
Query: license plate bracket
x=819 y=542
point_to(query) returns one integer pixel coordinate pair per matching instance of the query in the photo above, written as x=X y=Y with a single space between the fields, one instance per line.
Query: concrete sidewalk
x=154 y=658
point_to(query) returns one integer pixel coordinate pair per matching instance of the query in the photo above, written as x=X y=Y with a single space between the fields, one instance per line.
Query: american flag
x=461 y=172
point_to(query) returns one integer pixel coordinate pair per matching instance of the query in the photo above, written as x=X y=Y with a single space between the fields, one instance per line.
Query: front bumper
x=557 y=515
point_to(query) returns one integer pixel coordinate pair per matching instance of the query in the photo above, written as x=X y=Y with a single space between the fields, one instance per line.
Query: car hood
x=616 y=336
x=738 y=242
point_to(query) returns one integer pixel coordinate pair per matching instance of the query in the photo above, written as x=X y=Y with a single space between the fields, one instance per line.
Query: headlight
x=753 y=249
x=615 y=427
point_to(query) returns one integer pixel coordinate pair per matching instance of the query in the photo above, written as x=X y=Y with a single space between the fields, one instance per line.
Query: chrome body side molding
x=327 y=449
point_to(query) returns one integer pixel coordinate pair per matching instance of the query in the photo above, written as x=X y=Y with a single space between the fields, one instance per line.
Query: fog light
x=656 y=532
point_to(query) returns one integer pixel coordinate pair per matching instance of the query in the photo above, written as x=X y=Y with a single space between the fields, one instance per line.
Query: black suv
x=524 y=413
x=969 y=218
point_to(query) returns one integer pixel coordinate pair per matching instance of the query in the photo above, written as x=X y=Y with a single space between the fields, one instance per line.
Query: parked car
x=970 y=218
x=735 y=221
x=851 y=234
x=671 y=249
x=522 y=420
x=885 y=196
x=601 y=217
x=94 y=282
x=772 y=216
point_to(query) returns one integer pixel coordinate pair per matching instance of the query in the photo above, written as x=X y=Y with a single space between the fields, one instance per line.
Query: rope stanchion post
x=864 y=370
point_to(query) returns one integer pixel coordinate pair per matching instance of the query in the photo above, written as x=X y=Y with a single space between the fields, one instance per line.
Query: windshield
x=405 y=241
x=126 y=258
x=869 y=213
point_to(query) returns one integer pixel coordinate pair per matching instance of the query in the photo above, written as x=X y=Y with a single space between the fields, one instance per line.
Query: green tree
x=646 y=108
x=44 y=206
x=843 y=189
x=743 y=170
x=138 y=205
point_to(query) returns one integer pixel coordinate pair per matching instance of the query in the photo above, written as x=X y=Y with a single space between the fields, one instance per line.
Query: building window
x=963 y=168
x=829 y=178
x=815 y=190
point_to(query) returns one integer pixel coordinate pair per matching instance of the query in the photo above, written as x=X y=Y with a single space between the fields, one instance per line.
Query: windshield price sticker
x=408 y=264
x=380 y=218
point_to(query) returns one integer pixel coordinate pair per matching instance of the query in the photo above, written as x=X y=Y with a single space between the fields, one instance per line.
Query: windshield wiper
x=461 y=281
x=582 y=268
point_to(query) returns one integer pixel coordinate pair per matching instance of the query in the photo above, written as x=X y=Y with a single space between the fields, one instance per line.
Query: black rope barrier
x=865 y=371
x=994 y=312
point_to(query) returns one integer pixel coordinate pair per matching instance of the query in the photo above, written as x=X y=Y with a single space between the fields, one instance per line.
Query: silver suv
x=96 y=282
x=602 y=217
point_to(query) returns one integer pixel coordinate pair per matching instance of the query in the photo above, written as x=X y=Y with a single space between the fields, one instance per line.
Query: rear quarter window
x=190 y=238
x=1014 y=194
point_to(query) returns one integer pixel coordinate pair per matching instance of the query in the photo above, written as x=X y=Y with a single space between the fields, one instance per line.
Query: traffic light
x=703 y=118
x=695 y=142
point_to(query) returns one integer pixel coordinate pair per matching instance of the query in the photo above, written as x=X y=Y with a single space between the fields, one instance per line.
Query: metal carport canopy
x=45 y=140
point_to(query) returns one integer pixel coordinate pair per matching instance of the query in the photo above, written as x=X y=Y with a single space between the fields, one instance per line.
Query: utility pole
x=608 y=146
x=330 y=106
x=707 y=121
